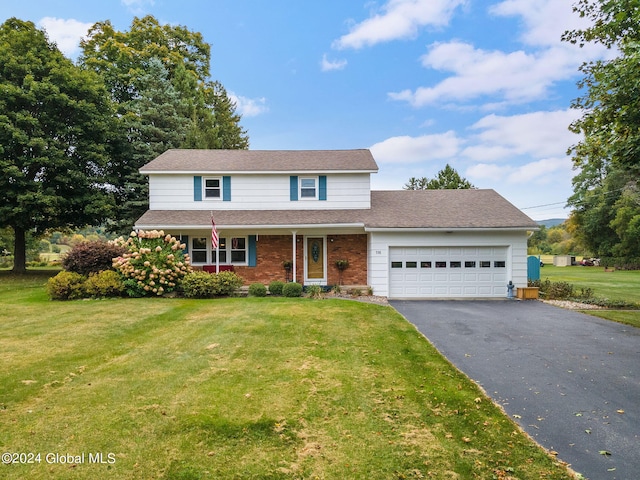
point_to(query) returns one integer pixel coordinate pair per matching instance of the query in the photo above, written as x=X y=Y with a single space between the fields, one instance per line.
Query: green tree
x=158 y=75
x=55 y=120
x=608 y=156
x=446 y=179
x=156 y=120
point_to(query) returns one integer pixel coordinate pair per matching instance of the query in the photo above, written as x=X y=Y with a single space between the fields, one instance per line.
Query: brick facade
x=273 y=250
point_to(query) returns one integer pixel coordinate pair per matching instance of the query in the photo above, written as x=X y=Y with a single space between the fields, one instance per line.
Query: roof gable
x=261 y=161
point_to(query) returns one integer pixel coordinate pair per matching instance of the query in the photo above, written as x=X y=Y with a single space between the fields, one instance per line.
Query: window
x=222 y=249
x=212 y=188
x=441 y=264
x=470 y=264
x=425 y=264
x=199 y=250
x=455 y=264
x=238 y=250
x=396 y=264
x=485 y=264
x=412 y=265
x=499 y=264
x=308 y=188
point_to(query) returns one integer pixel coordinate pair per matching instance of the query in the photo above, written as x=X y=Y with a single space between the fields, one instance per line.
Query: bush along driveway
x=570 y=380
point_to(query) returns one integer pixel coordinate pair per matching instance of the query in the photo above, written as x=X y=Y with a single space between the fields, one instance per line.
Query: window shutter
x=253 y=253
x=197 y=189
x=293 y=188
x=226 y=189
x=322 y=187
x=185 y=239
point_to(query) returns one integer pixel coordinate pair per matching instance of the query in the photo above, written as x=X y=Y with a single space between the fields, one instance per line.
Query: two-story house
x=312 y=208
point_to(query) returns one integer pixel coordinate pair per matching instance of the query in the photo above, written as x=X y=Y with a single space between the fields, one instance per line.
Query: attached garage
x=445 y=272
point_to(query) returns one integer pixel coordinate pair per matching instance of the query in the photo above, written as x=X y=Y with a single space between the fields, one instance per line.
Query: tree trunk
x=19 y=250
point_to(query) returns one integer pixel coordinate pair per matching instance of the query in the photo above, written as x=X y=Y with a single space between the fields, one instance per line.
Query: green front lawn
x=267 y=388
x=616 y=285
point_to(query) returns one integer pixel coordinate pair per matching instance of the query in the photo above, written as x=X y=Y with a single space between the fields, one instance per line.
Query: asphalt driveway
x=572 y=381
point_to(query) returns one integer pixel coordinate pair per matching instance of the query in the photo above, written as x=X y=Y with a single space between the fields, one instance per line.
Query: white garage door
x=441 y=272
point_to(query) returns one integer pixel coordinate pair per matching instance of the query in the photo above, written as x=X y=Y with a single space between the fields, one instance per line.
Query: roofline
x=248 y=172
x=297 y=226
x=447 y=229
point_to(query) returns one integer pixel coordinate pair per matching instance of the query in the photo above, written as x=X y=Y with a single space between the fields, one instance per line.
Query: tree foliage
x=446 y=179
x=606 y=202
x=158 y=75
x=55 y=120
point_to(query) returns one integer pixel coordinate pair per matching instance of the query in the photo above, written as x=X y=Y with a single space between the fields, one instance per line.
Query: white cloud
x=406 y=149
x=517 y=76
x=66 y=33
x=539 y=134
x=329 y=65
x=398 y=19
x=137 y=6
x=249 y=107
x=545 y=20
x=539 y=172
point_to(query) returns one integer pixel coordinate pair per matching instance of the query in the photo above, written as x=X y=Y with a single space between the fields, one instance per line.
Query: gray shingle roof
x=398 y=209
x=257 y=161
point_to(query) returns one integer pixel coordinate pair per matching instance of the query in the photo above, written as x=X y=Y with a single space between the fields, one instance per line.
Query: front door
x=315 y=265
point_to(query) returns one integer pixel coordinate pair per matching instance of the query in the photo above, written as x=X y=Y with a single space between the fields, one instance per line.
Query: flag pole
x=215 y=242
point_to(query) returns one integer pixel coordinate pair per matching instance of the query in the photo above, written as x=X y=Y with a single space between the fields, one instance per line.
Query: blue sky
x=484 y=85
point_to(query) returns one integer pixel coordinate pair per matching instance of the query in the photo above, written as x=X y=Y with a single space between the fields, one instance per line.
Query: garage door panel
x=422 y=272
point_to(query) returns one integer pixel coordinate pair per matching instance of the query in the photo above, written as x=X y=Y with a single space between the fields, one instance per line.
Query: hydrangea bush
x=153 y=265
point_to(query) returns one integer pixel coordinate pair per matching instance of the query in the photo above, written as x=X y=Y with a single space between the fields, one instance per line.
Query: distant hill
x=551 y=222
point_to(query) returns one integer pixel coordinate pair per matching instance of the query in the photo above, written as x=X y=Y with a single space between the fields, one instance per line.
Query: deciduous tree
x=55 y=120
x=446 y=179
x=608 y=157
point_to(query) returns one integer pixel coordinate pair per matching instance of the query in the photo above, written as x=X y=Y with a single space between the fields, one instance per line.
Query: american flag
x=214 y=234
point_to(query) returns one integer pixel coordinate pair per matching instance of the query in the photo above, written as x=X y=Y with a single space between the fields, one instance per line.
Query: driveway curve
x=570 y=380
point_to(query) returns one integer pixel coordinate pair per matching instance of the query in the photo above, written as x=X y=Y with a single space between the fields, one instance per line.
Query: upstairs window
x=308 y=188
x=212 y=188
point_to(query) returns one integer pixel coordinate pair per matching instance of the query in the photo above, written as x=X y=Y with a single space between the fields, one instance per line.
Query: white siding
x=259 y=192
x=514 y=243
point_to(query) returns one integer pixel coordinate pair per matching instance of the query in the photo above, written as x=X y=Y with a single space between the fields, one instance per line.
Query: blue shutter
x=322 y=184
x=226 y=189
x=197 y=189
x=253 y=253
x=293 y=188
x=185 y=239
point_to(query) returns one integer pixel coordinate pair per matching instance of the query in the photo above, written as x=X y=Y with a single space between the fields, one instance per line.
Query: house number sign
x=315 y=251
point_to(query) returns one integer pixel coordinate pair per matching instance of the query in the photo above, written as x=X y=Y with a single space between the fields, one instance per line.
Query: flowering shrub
x=153 y=265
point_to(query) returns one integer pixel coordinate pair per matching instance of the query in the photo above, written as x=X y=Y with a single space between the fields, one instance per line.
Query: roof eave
x=449 y=229
x=249 y=172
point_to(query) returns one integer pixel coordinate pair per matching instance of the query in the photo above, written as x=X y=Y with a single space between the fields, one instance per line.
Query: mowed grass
x=266 y=388
x=616 y=285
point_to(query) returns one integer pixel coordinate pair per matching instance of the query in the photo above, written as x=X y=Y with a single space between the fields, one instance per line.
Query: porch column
x=293 y=271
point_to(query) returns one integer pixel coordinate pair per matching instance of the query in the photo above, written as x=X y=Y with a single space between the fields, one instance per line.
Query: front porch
x=261 y=258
